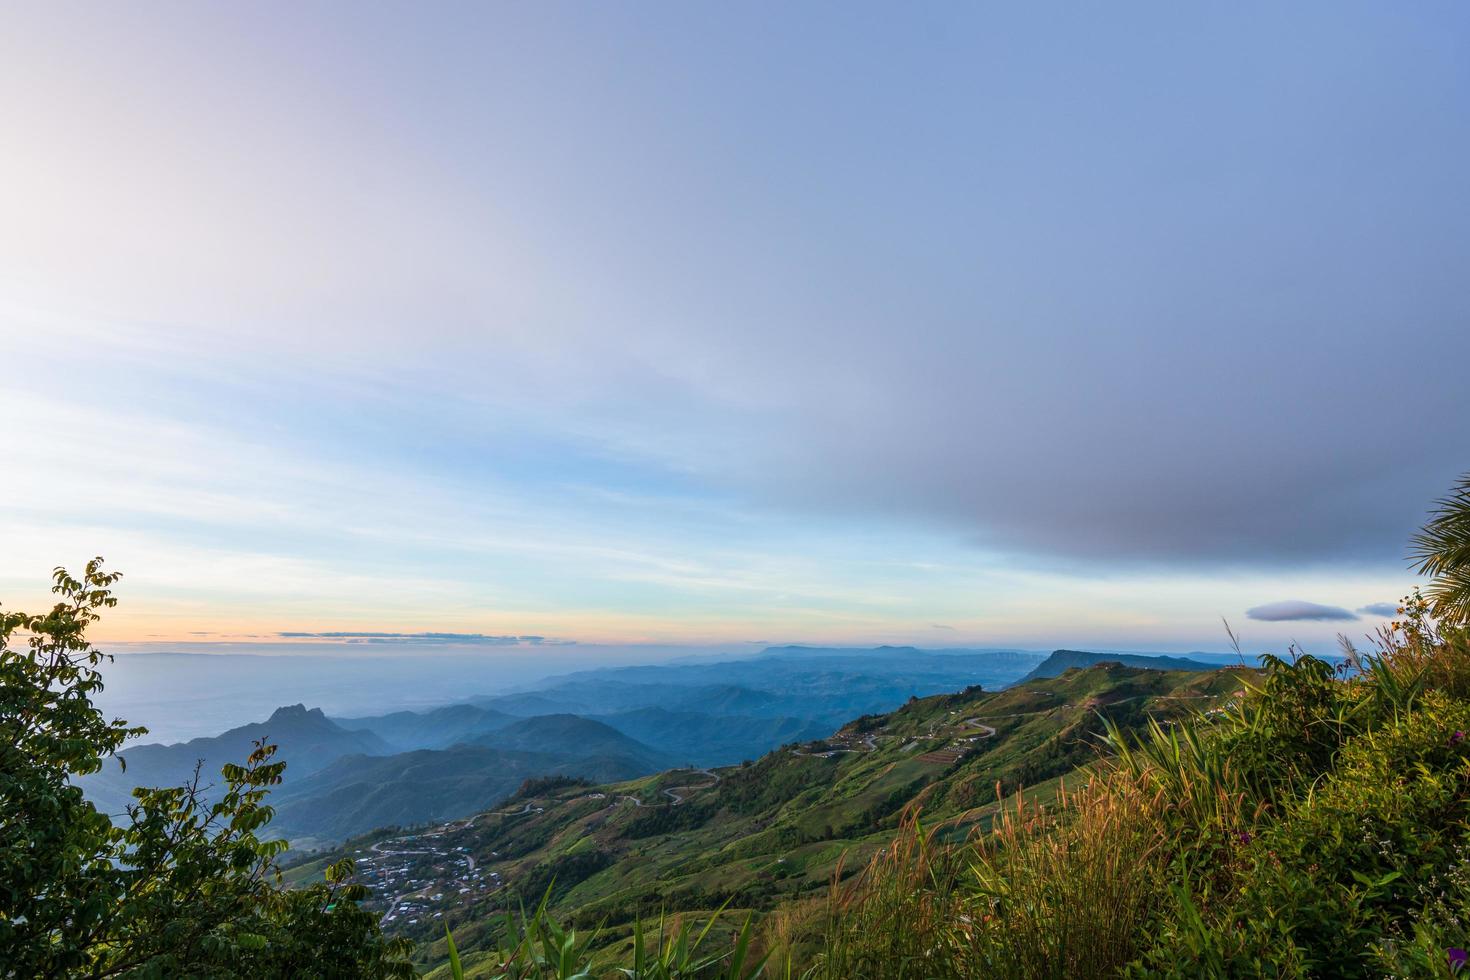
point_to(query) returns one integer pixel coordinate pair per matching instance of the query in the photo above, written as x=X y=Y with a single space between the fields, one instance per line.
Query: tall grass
x=1066 y=889
x=1051 y=891
x=898 y=917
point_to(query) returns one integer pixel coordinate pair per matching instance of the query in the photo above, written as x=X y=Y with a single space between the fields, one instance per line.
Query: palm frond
x=1442 y=549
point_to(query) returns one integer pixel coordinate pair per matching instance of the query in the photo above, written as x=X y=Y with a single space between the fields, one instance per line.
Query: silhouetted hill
x=437 y=729
x=359 y=793
x=726 y=699
x=798 y=650
x=307 y=739
x=574 y=737
x=1064 y=660
x=533 y=703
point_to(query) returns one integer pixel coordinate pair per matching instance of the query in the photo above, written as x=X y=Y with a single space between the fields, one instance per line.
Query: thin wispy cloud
x=1384 y=609
x=420 y=638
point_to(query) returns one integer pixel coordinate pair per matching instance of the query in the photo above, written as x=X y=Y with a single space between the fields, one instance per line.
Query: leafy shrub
x=1346 y=867
x=181 y=888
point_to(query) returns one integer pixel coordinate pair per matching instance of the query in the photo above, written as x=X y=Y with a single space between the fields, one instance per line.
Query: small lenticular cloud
x=1295 y=610
x=1384 y=609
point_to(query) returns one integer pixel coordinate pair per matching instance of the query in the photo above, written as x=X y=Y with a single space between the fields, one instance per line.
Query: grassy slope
x=779 y=828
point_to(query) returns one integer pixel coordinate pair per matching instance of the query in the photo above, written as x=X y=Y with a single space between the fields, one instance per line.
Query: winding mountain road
x=674 y=798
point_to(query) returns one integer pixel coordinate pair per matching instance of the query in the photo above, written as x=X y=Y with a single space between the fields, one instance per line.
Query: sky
x=683 y=324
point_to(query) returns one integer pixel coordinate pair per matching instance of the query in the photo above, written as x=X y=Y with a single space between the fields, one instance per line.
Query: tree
x=179 y=886
x=1442 y=549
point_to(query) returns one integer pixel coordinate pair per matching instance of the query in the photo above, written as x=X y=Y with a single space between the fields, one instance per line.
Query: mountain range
x=349 y=775
x=306 y=738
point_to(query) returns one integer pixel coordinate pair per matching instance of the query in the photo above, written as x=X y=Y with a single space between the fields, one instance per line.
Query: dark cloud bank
x=1098 y=361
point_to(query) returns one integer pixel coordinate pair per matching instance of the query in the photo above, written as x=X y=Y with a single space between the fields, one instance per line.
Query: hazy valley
x=351 y=775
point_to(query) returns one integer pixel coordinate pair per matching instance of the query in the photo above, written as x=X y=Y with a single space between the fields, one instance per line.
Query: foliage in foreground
x=180 y=886
x=537 y=947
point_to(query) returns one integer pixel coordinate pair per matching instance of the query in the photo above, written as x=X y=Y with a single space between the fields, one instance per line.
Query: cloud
x=1069 y=359
x=381 y=637
x=940 y=626
x=1380 y=609
x=1295 y=610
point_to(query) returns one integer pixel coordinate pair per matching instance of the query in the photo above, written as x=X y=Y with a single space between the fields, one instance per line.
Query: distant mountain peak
x=1064 y=660
x=295 y=712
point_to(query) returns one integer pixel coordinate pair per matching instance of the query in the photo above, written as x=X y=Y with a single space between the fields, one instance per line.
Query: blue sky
x=696 y=324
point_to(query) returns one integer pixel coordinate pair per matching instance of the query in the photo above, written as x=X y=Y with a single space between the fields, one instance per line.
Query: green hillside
x=357 y=794
x=758 y=834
